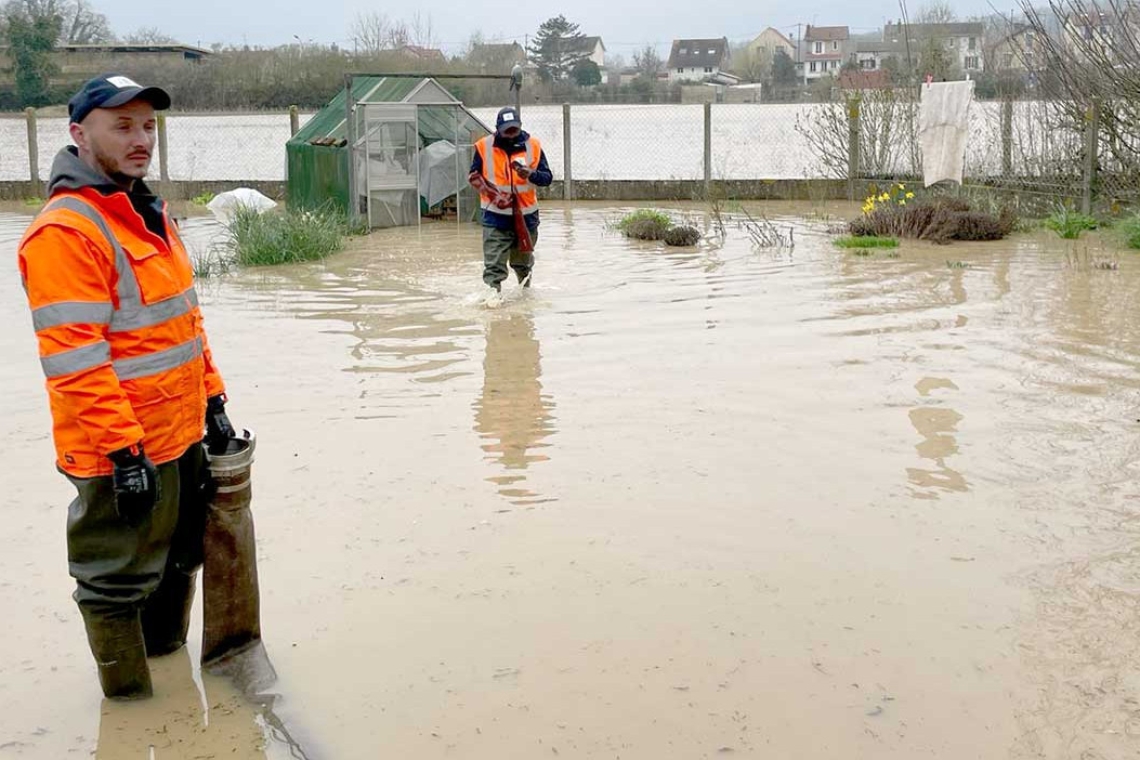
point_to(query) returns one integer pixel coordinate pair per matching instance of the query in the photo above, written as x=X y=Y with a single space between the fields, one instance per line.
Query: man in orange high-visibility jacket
x=130 y=379
x=507 y=165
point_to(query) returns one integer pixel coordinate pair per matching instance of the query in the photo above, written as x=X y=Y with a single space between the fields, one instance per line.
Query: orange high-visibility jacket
x=118 y=324
x=498 y=173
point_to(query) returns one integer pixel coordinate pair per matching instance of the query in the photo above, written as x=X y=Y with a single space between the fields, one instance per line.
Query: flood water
x=668 y=504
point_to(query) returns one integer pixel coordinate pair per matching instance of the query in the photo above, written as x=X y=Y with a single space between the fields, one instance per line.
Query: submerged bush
x=682 y=236
x=645 y=224
x=939 y=220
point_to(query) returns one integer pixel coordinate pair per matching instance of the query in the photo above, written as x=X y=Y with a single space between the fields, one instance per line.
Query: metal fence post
x=33 y=147
x=567 y=164
x=294 y=120
x=708 y=150
x=1092 y=135
x=1006 y=138
x=163 y=150
x=852 y=146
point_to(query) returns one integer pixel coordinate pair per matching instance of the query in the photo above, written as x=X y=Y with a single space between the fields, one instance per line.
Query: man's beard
x=110 y=167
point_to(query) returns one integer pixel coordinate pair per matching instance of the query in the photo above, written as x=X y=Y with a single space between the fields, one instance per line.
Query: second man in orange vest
x=508 y=167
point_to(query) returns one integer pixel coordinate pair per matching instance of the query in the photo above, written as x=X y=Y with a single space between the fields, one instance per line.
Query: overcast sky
x=637 y=23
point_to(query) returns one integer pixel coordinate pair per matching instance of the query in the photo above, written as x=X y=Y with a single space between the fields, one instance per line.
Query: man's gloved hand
x=502 y=199
x=135 y=483
x=219 y=431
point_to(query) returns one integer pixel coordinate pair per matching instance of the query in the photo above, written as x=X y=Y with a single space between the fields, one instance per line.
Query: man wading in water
x=508 y=167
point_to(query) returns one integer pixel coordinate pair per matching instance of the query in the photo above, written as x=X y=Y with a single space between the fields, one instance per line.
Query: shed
x=412 y=145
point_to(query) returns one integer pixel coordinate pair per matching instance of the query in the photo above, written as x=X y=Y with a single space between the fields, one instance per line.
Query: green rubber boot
x=116 y=639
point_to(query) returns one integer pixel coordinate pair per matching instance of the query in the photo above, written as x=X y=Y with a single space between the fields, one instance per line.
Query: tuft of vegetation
x=936 y=219
x=868 y=241
x=267 y=239
x=645 y=224
x=1069 y=224
x=202 y=199
x=957 y=265
x=862 y=252
x=34 y=202
x=1130 y=230
x=682 y=236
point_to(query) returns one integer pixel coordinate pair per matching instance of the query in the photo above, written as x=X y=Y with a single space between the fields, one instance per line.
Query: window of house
x=681 y=71
x=712 y=51
x=1007 y=60
x=818 y=48
x=869 y=64
x=835 y=64
x=835 y=44
x=684 y=51
x=812 y=67
x=708 y=69
x=973 y=44
x=971 y=62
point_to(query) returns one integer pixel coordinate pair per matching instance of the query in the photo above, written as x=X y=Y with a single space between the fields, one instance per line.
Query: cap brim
x=510 y=125
x=156 y=96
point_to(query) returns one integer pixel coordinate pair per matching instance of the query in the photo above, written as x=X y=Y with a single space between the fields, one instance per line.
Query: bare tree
x=423 y=30
x=399 y=35
x=150 y=35
x=648 y=63
x=371 y=32
x=79 y=23
x=936 y=12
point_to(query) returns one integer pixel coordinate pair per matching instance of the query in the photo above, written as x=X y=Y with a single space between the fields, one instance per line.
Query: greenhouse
x=411 y=148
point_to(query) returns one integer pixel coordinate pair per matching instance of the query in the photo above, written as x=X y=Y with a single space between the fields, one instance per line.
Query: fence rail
x=1050 y=149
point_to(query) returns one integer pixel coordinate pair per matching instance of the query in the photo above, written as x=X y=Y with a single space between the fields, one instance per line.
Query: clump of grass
x=937 y=219
x=1130 y=230
x=868 y=241
x=202 y=199
x=645 y=224
x=957 y=265
x=267 y=239
x=862 y=252
x=213 y=262
x=1069 y=224
x=682 y=236
x=34 y=202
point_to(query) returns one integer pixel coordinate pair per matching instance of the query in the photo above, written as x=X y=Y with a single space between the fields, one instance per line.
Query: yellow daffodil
x=884 y=197
x=910 y=195
x=902 y=203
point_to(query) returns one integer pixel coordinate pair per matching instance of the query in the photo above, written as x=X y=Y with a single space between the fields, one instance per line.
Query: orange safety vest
x=119 y=331
x=498 y=173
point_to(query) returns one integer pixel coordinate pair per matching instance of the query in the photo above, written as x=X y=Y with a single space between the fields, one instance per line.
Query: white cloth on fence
x=943 y=126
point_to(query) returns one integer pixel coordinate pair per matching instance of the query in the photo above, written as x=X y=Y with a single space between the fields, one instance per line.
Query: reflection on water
x=512 y=414
x=180 y=722
x=936 y=425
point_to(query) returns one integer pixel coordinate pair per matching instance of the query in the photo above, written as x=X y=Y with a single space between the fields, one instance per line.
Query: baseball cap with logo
x=112 y=91
x=507 y=118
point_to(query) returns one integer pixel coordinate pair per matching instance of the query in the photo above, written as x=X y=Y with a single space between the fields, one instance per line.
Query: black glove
x=219 y=431
x=135 y=483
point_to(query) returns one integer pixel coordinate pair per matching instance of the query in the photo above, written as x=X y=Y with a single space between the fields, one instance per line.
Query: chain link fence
x=1040 y=151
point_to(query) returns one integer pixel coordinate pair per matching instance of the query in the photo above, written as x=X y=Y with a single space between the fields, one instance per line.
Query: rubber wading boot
x=166 y=613
x=116 y=640
x=231 y=601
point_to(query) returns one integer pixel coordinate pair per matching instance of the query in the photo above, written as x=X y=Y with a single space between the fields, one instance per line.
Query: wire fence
x=1052 y=150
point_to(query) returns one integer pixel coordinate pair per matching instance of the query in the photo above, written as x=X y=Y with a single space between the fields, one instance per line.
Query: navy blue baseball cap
x=112 y=91
x=508 y=117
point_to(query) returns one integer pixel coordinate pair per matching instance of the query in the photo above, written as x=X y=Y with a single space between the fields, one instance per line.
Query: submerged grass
x=1069 y=224
x=1130 y=231
x=866 y=241
x=644 y=224
x=257 y=239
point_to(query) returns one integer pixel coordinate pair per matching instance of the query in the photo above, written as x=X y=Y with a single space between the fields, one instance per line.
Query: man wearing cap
x=131 y=382
x=506 y=169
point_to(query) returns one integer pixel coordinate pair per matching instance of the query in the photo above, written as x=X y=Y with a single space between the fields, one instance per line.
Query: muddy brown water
x=694 y=503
